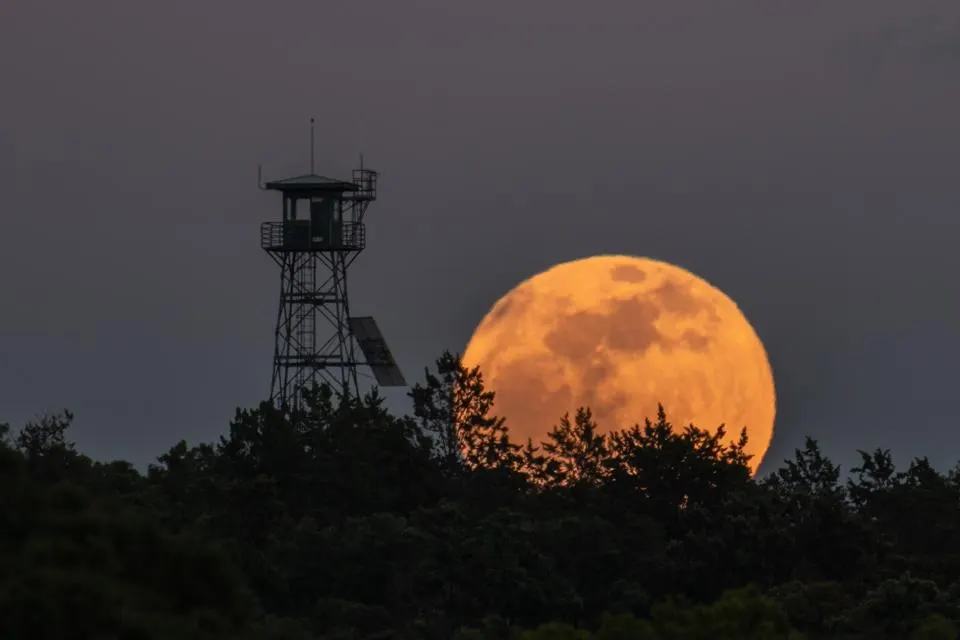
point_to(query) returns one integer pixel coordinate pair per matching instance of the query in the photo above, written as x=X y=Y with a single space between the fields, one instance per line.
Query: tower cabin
x=320 y=214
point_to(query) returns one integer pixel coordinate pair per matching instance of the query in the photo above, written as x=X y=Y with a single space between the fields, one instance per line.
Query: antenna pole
x=311 y=146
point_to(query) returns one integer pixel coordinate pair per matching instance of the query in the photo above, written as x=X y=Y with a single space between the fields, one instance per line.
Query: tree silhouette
x=347 y=521
x=576 y=452
x=455 y=409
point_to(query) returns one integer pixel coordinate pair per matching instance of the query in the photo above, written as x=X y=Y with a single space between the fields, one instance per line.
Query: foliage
x=349 y=522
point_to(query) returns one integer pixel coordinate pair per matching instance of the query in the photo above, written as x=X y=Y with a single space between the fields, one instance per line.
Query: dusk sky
x=804 y=157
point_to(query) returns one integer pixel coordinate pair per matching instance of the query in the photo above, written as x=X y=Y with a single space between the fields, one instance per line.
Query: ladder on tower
x=307 y=334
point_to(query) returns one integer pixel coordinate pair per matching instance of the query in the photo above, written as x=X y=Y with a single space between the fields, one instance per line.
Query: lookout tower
x=320 y=233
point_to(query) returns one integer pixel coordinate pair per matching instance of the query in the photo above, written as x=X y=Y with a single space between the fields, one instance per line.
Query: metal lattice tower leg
x=313 y=344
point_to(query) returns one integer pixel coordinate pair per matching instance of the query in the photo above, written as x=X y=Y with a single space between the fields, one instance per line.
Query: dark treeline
x=352 y=523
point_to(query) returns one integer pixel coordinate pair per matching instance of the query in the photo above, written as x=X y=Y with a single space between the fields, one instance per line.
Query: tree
x=830 y=540
x=816 y=607
x=455 y=408
x=810 y=474
x=74 y=564
x=45 y=446
x=897 y=607
x=625 y=627
x=882 y=495
x=674 y=471
x=556 y=631
x=935 y=627
x=347 y=521
x=576 y=452
x=740 y=614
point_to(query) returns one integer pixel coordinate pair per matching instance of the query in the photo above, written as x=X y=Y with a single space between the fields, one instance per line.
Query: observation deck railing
x=298 y=235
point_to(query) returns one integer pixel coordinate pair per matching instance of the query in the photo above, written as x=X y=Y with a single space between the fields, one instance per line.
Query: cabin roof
x=311 y=182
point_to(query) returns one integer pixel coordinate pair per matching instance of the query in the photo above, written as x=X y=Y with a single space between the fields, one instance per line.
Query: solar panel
x=376 y=352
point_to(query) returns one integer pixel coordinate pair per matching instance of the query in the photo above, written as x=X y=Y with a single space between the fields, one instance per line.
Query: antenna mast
x=312 y=138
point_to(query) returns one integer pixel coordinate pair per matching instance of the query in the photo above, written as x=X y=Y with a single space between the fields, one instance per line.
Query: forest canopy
x=346 y=521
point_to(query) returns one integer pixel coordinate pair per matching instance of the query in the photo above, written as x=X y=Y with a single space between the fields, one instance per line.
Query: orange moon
x=619 y=335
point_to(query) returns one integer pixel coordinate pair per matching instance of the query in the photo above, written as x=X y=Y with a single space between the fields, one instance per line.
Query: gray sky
x=801 y=156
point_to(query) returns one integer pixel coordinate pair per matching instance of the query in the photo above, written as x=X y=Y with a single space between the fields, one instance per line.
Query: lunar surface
x=619 y=335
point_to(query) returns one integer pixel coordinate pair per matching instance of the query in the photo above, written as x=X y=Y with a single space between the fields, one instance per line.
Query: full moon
x=619 y=335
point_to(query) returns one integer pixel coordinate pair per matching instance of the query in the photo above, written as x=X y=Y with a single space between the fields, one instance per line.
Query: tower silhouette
x=321 y=232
